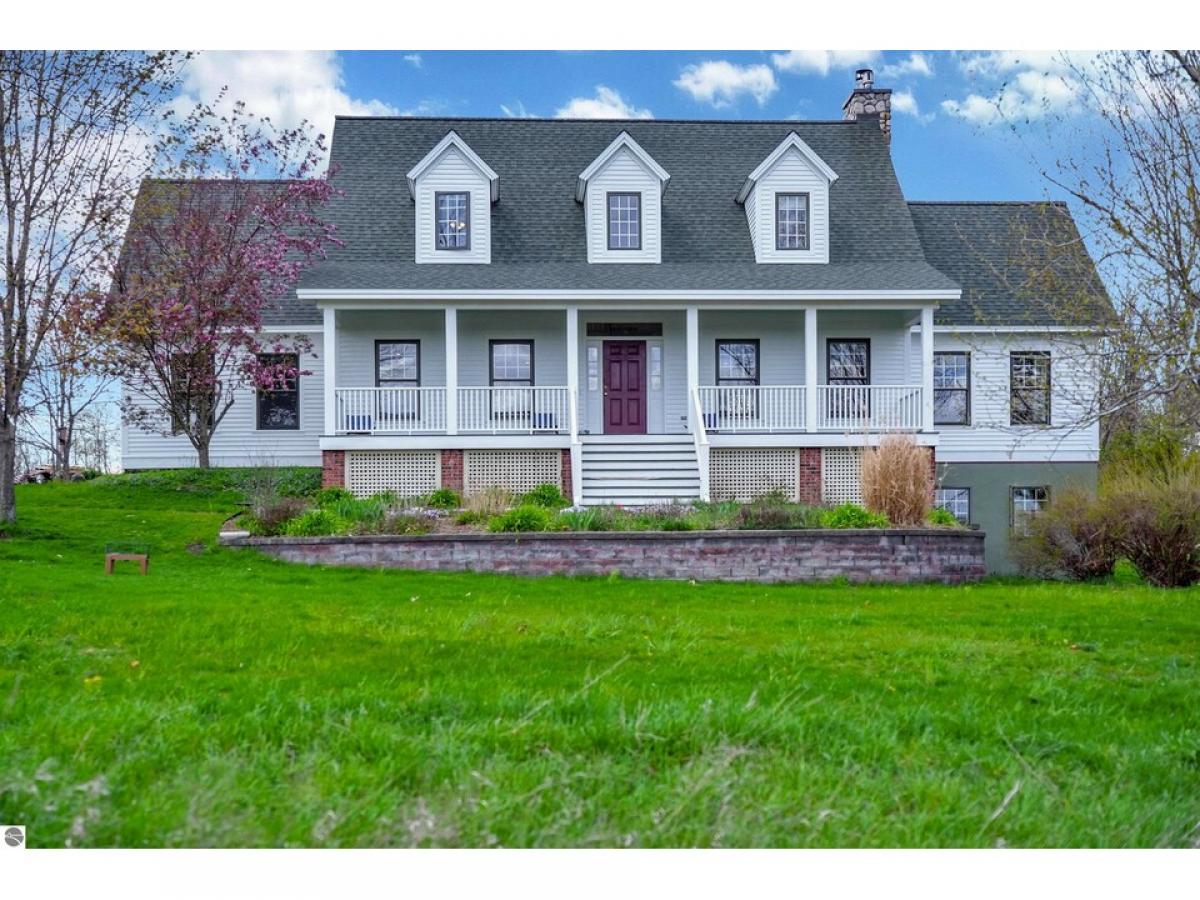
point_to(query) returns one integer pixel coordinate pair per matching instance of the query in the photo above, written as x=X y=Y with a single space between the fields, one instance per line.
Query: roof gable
x=453 y=140
x=622 y=141
x=792 y=142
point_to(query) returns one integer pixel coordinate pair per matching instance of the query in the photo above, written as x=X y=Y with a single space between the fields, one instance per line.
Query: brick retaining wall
x=876 y=555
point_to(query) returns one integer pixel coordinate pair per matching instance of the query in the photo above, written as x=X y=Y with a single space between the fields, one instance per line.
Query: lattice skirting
x=743 y=474
x=841 y=475
x=518 y=471
x=406 y=473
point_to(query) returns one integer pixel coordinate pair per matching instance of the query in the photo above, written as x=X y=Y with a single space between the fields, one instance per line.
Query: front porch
x=398 y=374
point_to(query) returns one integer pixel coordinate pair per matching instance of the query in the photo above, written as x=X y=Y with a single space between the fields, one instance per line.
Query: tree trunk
x=202 y=455
x=8 y=465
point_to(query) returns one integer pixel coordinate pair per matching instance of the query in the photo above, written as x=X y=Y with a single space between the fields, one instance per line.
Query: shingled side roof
x=1019 y=264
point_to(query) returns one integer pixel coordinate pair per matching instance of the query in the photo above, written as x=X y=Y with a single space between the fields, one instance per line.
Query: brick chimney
x=868 y=101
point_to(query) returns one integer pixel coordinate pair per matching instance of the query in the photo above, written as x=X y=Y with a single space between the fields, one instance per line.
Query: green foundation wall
x=990 y=485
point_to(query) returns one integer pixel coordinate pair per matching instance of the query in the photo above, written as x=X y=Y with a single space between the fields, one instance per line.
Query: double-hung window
x=398 y=365
x=956 y=501
x=453 y=226
x=1029 y=387
x=952 y=388
x=279 y=406
x=791 y=221
x=512 y=375
x=737 y=366
x=848 y=364
x=1027 y=502
x=624 y=221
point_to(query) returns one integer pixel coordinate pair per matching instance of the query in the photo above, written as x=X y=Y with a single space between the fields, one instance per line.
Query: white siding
x=358 y=330
x=625 y=173
x=237 y=441
x=887 y=331
x=547 y=330
x=1073 y=434
x=452 y=171
x=791 y=174
x=780 y=336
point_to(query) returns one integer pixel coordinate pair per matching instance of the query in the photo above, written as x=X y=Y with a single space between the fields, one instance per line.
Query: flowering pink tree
x=208 y=251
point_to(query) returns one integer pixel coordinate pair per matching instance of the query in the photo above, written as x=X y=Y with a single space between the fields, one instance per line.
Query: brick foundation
x=933 y=476
x=810 y=476
x=567 y=484
x=891 y=555
x=333 y=468
x=452 y=470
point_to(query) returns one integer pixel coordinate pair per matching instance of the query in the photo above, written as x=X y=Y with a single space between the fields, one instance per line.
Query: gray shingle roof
x=1019 y=264
x=878 y=241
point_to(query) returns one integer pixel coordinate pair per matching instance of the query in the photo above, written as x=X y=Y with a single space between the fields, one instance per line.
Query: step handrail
x=576 y=453
x=700 y=436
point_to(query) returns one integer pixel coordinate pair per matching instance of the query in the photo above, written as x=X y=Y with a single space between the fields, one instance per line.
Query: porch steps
x=639 y=470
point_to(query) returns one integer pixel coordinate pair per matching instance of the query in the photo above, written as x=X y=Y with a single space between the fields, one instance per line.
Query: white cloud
x=821 y=61
x=607 y=104
x=721 y=83
x=288 y=86
x=916 y=64
x=904 y=103
x=517 y=111
x=428 y=106
x=413 y=59
x=1031 y=86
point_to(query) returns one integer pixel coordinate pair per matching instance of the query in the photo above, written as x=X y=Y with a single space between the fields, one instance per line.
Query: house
x=646 y=310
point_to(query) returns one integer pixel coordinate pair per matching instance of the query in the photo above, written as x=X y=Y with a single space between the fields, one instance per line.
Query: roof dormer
x=787 y=204
x=453 y=190
x=621 y=192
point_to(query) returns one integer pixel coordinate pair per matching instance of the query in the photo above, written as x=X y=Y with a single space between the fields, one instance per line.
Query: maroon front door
x=624 y=387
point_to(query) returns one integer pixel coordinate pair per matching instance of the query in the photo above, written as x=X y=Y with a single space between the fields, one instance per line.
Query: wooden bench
x=143 y=559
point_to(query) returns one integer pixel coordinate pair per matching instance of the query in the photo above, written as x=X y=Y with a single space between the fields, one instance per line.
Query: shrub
x=469 y=517
x=407 y=521
x=331 y=496
x=1159 y=521
x=942 y=517
x=444 y=498
x=269 y=515
x=851 y=515
x=315 y=523
x=667 y=517
x=524 y=518
x=1075 y=535
x=897 y=480
x=490 y=502
x=773 y=512
x=547 y=496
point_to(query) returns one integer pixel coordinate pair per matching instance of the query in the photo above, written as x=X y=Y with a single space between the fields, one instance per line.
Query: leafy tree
x=74 y=144
x=209 y=250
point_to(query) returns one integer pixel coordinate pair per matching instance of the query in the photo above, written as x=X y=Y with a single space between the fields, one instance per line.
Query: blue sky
x=949 y=142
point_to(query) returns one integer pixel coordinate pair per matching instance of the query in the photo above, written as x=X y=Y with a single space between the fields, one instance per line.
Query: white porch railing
x=700 y=437
x=765 y=408
x=875 y=407
x=390 y=410
x=513 y=410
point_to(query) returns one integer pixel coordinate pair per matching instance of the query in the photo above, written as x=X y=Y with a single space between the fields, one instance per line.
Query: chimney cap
x=864 y=79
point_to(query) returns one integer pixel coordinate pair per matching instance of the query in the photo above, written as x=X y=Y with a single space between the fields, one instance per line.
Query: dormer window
x=453 y=220
x=787 y=200
x=791 y=221
x=624 y=221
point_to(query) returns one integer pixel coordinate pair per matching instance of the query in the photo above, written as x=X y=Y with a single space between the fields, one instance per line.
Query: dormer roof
x=792 y=142
x=453 y=140
x=622 y=141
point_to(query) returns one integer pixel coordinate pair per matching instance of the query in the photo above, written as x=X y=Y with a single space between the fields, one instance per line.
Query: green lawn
x=229 y=700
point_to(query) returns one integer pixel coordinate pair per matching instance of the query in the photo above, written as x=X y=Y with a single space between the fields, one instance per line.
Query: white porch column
x=927 y=369
x=573 y=352
x=573 y=405
x=451 y=370
x=810 y=369
x=329 y=343
x=693 y=363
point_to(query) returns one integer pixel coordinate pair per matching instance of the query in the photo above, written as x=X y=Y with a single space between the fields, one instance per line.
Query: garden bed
x=892 y=555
